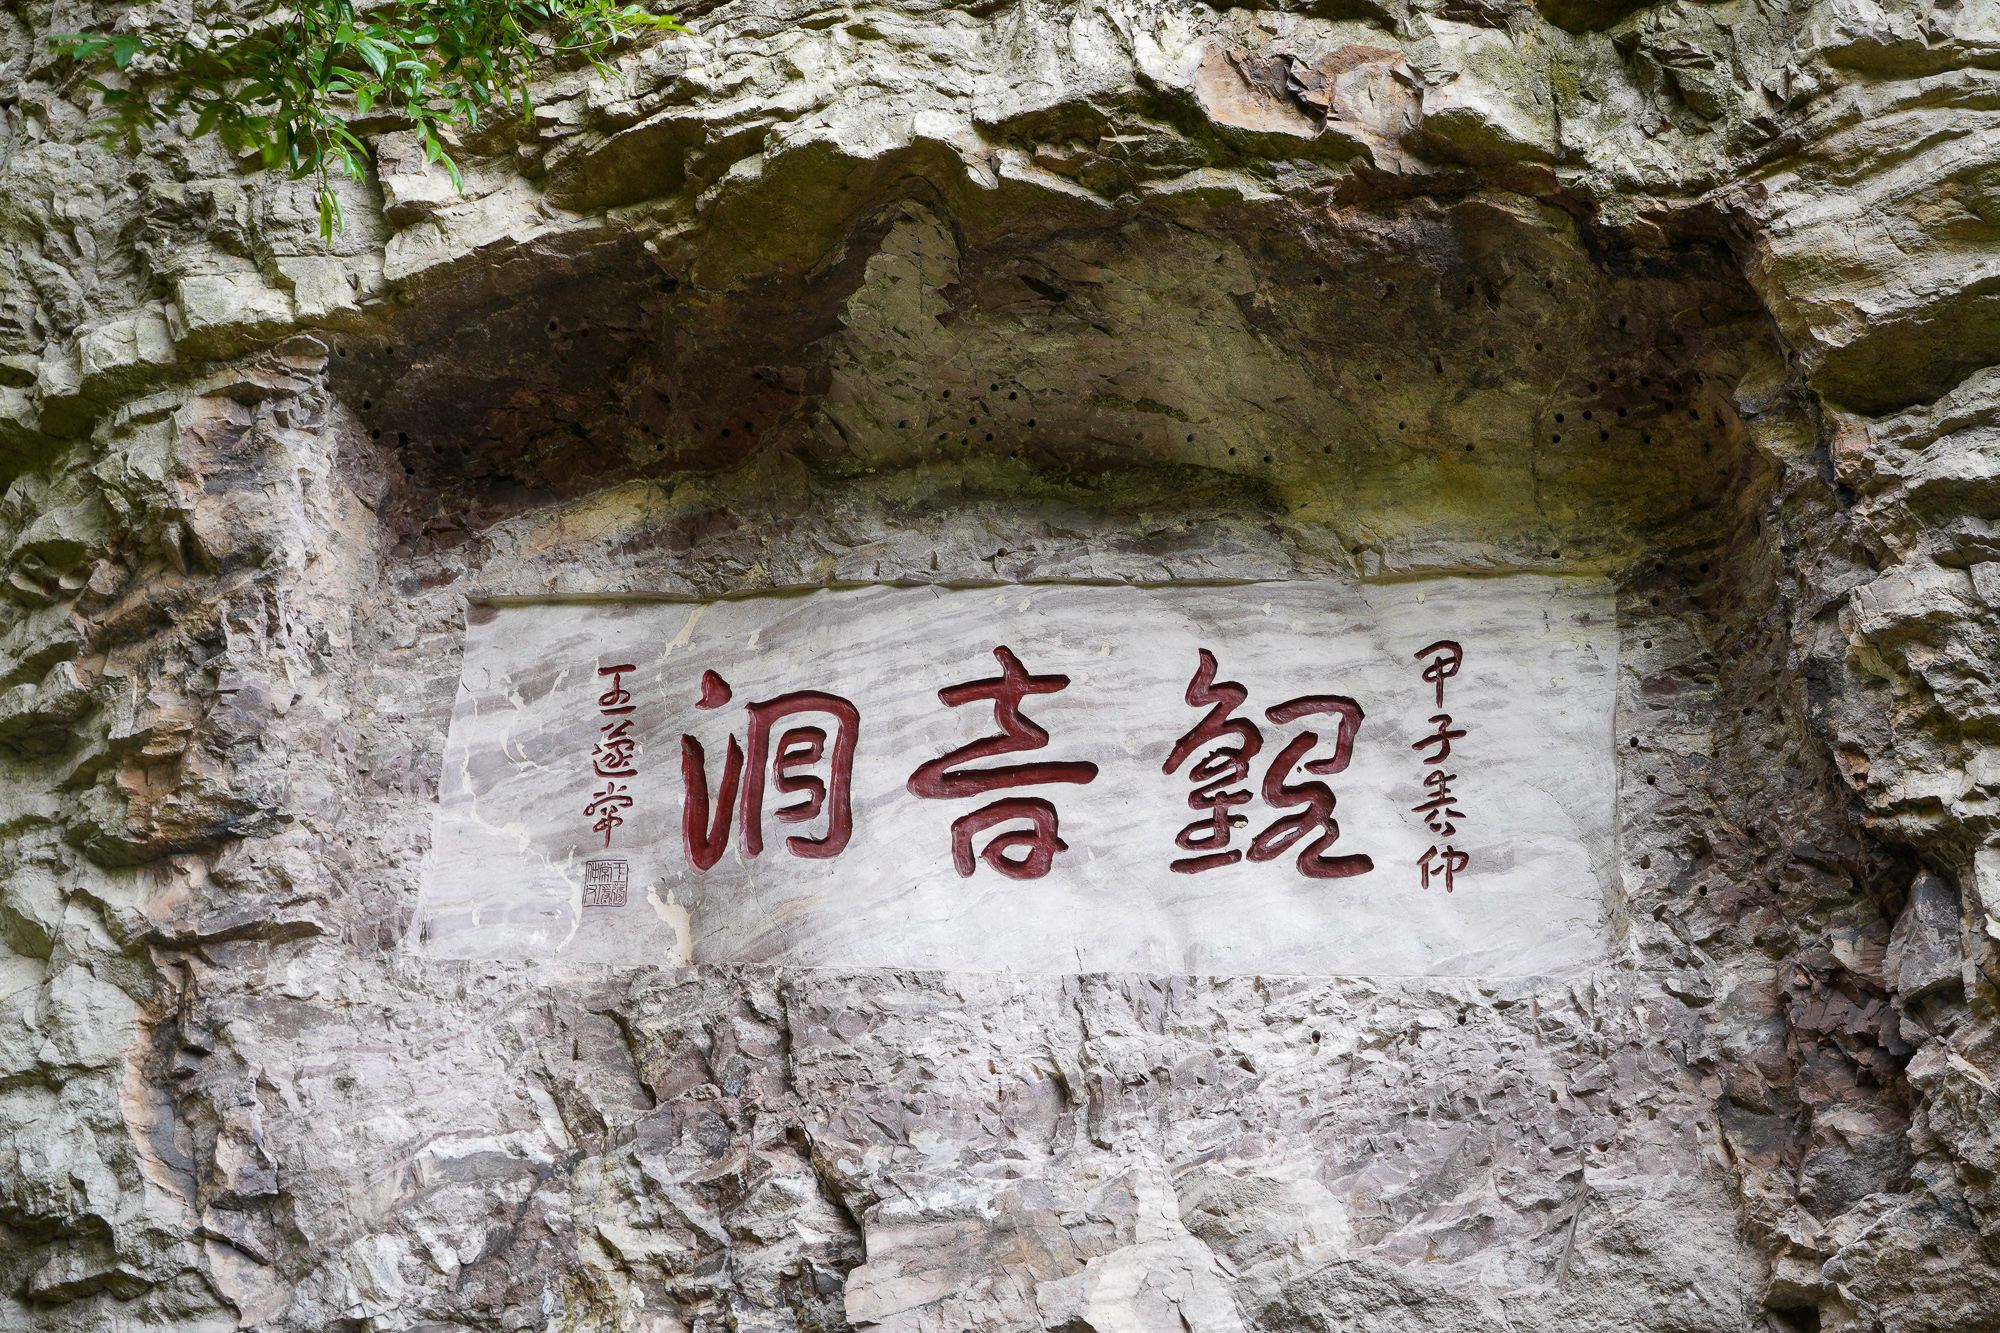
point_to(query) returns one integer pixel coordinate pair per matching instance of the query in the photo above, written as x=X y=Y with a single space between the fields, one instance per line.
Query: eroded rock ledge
x=1700 y=297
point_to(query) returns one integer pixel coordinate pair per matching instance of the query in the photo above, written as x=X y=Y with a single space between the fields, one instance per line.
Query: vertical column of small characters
x=1441 y=862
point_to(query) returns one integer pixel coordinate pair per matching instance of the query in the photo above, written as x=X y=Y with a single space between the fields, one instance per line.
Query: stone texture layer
x=1695 y=298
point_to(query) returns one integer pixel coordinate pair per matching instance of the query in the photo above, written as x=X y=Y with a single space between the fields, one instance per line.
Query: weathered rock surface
x=1701 y=298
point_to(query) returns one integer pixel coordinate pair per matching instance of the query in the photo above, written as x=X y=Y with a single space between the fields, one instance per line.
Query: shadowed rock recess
x=1702 y=298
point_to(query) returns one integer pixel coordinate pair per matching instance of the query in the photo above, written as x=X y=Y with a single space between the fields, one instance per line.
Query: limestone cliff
x=1703 y=297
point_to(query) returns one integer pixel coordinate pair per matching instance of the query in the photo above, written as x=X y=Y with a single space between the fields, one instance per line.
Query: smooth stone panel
x=520 y=870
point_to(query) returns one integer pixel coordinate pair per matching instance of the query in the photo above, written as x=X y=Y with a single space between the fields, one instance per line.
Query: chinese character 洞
x=942 y=779
x=785 y=766
x=1448 y=862
x=1316 y=818
x=1217 y=772
x=1446 y=657
x=604 y=807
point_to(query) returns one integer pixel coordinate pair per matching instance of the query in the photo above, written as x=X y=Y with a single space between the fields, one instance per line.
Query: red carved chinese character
x=1446 y=656
x=939 y=779
x=1450 y=860
x=617 y=699
x=1317 y=798
x=1442 y=806
x=1442 y=738
x=837 y=798
x=1038 y=845
x=612 y=756
x=705 y=835
x=604 y=807
x=1217 y=772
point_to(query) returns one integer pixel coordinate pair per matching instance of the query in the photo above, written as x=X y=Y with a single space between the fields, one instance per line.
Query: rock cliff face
x=1703 y=297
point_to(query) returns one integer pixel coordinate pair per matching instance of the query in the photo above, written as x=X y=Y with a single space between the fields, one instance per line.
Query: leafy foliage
x=290 y=84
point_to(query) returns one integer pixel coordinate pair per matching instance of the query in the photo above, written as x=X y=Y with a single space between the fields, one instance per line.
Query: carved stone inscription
x=1403 y=779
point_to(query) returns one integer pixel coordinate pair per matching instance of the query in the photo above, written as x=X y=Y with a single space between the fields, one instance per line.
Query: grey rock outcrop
x=1698 y=296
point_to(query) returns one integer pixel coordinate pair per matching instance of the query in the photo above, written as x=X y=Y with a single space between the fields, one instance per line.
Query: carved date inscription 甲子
x=1410 y=778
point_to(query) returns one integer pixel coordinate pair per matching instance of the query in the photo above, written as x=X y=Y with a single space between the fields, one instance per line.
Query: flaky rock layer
x=1701 y=297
